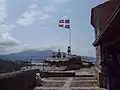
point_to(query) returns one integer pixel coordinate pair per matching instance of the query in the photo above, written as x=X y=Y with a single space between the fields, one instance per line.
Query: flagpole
x=70 y=38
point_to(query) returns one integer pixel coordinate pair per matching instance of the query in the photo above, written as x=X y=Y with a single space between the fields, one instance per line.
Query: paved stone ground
x=85 y=80
x=71 y=83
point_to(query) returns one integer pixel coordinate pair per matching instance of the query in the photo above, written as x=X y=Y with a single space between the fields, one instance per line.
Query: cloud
x=26 y=19
x=6 y=40
x=3 y=13
x=50 y=8
x=5 y=37
x=51 y=46
x=40 y=15
x=33 y=6
x=55 y=46
x=59 y=1
x=17 y=48
x=44 y=16
x=4 y=28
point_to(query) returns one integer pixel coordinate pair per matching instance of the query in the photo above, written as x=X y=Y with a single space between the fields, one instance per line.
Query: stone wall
x=57 y=74
x=101 y=78
x=20 y=80
x=98 y=57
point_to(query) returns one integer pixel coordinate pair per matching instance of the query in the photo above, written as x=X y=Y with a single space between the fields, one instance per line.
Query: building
x=105 y=18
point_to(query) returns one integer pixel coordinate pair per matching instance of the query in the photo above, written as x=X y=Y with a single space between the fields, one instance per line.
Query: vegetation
x=10 y=66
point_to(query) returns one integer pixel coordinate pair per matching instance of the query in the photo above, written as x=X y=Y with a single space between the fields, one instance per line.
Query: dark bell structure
x=105 y=18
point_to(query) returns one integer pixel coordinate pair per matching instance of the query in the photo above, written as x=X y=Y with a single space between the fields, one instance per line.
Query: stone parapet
x=20 y=80
x=57 y=74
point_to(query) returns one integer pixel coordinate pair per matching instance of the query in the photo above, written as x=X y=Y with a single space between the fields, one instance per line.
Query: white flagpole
x=70 y=38
x=70 y=41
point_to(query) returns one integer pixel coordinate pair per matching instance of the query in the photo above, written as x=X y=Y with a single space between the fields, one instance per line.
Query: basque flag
x=67 y=26
x=64 y=23
x=61 y=25
x=67 y=21
x=61 y=21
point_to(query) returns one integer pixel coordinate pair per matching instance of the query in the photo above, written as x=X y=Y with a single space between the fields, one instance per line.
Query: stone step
x=56 y=78
x=86 y=88
x=72 y=80
x=81 y=75
x=58 y=74
x=72 y=88
x=66 y=78
x=70 y=83
x=84 y=73
x=81 y=83
x=53 y=84
x=47 y=88
x=84 y=78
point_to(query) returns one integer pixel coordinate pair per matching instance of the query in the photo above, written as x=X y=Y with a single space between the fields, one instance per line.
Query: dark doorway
x=113 y=66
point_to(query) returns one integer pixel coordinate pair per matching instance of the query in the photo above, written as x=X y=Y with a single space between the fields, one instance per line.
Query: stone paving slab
x=86 y=88
x=83 y=84
x=85 y=72
x=85 y=81
x=57 y=81
x=67 y=88
x=53 y=84
x=81 y=74
x=67 y=84
x=56 y=78
x=47 y=88
x=65 y=78
x=84 y=78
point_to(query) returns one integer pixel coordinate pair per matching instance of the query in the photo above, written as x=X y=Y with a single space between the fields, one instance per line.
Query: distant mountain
x=35 y=54
x=28 y=54
x=93 y=59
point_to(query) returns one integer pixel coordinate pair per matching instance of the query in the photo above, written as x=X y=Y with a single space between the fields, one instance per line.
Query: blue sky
x=33 y=24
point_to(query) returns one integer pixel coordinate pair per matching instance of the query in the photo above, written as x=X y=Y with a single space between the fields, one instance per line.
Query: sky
x=33 y=24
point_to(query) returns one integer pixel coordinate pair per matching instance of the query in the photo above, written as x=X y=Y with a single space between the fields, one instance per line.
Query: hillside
x=27 y=54
x=9 y=66
x=34 y=54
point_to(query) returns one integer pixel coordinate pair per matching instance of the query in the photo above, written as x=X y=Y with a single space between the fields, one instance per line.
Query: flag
x=61 y=21
x=64 y=23
x=61 y=25
x=67 y=26
x=67 y=21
